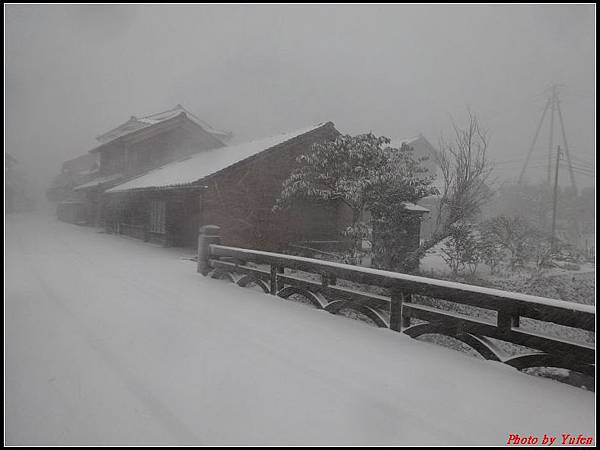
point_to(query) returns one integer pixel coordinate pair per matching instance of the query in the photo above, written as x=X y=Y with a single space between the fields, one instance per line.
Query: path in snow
x=114 y=341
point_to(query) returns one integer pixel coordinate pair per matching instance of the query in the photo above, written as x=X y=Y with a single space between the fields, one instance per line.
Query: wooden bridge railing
x=403 y=310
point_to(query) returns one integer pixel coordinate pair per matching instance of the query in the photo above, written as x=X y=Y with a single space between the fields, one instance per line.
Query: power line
x=585 y=174
x=585 y=169
x=515 y=161
x=582 y=165
x=581 y=170
x=580 y=160
x=542 y=165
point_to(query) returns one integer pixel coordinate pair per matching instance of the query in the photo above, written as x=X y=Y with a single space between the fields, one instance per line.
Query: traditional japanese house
x=141 y=144
x=234 y=187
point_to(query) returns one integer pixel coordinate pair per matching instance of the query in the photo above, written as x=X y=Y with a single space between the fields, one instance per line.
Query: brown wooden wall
x=154 y=147
x=240 y=200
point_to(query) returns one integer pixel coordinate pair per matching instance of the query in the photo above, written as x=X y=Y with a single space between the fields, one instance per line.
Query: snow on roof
x=98 y=181
x=203 y=164
x=162 y=116
x=397 y=143
x=416 y=208
x=138 y=123
x=421 y=147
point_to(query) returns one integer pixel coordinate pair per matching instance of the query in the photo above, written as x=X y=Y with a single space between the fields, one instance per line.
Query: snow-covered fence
x=331 y=287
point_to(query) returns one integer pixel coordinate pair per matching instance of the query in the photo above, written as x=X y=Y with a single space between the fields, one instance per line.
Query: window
x=157 y=216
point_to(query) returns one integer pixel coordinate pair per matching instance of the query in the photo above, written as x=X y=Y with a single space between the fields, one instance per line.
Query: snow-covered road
x=113 y=341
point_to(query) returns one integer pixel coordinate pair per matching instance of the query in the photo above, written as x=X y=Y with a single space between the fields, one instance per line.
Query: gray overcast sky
x=72 y=72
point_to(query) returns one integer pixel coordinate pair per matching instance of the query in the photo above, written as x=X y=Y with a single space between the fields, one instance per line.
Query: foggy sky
x=73 y=72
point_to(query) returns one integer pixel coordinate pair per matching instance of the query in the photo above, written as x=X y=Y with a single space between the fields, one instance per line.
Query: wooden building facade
x=139 y=145
x=162 y=176
x=234 y=187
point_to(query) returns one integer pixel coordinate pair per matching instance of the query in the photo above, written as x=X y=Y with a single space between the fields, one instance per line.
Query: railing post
x=274 y=284
x=396 y=310
x=507 y=320
x=208 y=234
x=406 y=298
x=327 y=279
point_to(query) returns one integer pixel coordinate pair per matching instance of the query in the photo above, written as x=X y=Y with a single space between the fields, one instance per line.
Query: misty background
x=73 y=72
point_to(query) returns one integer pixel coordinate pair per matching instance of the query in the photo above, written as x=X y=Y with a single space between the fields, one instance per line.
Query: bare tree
x=465 y=171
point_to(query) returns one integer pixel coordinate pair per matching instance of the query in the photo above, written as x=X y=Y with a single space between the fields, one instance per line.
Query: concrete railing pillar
x=208 y=234
x=397 y=318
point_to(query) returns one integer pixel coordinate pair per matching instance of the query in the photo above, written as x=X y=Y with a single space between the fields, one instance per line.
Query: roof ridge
x=201 y=122
x=263 y=138
x=178 y=106
x=408 y=139
x=223 y=158
x=141 y=122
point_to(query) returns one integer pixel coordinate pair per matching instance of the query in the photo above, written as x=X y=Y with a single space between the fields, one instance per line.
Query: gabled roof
x=422 y=147
x=397 y=142
x=201 y=165
x=408 y=206
x=137 y=123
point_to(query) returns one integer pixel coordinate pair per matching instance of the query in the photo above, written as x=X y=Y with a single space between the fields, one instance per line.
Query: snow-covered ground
x=434 y=264
x=114 y=341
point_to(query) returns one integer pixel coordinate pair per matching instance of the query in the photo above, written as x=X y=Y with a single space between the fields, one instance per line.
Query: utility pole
x=552 y=106
x=535 y=137
x=551 y=137
x=566 y=146
x=555 y=201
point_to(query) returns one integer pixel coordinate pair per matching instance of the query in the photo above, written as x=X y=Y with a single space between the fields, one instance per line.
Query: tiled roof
x=138 y=123
x=201 y=165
